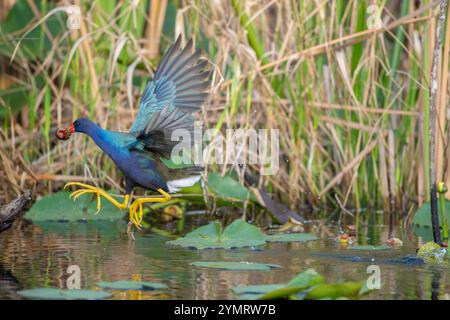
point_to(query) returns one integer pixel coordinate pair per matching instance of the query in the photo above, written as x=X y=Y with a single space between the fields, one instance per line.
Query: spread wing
x=178 y=89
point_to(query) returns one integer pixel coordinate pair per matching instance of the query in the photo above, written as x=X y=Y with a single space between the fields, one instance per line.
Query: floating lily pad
x=257 y=289
x=431 y=252
x=291 y=237
x=59 y=207
x=237 y=235
x=306 y=278
x=422 y=217
x=61 y=294
x=234 y=265
x=131 y=285
x=306 y=285
x=250 y=296
x=228 y=188
x=299 y=283
x=336 y=291
x=369 y=248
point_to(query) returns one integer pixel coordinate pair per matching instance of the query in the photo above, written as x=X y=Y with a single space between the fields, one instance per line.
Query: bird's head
x=80 y=125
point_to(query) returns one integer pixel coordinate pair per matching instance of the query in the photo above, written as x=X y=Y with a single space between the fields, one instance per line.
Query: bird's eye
x=76 y=123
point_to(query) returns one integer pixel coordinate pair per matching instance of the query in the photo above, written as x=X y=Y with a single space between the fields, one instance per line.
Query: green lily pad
x=335 y=290
x=131 y=285
x=306 y=285
x=234 y=265
x=228 y=188
x=369 y=248
x=431 y=252
x=300 y=282
x=257 y=289
x=306 y=278
x=237 y=235
x=62 y=294
x=250 y=296
x=59 y=207
x=290 y=237
x=422 y=217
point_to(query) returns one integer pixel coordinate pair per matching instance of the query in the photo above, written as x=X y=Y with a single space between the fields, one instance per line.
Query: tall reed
x=349 y=101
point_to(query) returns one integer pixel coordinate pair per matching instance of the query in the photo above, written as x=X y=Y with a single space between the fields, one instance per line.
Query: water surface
x=38 y=256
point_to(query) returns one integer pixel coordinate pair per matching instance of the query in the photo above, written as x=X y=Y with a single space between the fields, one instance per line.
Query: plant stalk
x=432 y=119
x=442 y=189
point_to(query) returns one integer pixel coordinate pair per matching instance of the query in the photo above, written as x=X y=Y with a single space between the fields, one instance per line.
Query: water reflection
x=39 y=255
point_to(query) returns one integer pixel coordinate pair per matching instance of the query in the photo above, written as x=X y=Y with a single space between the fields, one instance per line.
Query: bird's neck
x=101 y=138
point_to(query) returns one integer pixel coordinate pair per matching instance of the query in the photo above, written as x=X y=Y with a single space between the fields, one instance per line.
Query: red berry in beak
x=62 y=134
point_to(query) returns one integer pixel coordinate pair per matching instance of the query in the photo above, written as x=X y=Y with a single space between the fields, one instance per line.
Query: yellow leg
x=135 y=217
x=99 y=192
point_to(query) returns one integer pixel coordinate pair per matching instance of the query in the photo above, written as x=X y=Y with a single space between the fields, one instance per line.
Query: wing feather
x=180 y=84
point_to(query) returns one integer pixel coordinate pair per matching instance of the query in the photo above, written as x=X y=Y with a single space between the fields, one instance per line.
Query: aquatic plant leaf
x=422 y=217
x=425 y=233
x=306 y=285
x=228 y=188
x=59 y=207
x=238 y=234
x=291 y=237
x=257 y=289
x=282 y=293
x=240 y=231
x=309 y=277
x=131 y=285
x=300 y=282
x=235 y=265
x=250 y=296
x=85 y=295
x=431 y=252
x=334 y=291
x=62 y=294
x=370 y=247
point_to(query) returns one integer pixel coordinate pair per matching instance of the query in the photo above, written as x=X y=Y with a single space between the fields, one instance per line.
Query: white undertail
x=177 y=185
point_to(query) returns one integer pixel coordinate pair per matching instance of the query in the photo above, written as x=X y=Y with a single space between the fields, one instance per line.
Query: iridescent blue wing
x=178 y=89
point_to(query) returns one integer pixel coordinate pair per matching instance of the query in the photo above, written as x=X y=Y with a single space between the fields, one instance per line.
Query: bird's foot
x=136 y=211
x=135 y=216
x=98 y=192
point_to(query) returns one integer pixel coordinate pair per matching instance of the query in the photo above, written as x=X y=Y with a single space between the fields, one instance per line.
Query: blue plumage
x=177 y=90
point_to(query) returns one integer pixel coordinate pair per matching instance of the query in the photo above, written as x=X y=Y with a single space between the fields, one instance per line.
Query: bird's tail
x=193 y=176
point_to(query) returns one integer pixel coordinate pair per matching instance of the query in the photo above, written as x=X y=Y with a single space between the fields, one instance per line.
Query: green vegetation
x=233 y=265
x=236 y=235
x=58 y=294
x=349 y=102
x=307 y=285
x=59 y=207
x=131 y=285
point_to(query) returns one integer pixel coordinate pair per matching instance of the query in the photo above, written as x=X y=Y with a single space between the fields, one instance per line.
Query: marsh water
x=38 y=256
